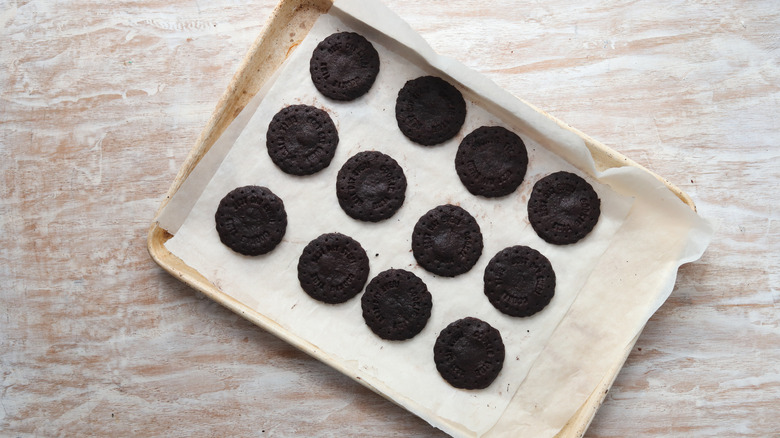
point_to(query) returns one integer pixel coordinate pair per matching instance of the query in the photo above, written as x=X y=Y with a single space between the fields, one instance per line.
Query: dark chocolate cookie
x=333 y=268
x=519 y=281
x=563 y=208
x=447 y=241
x=429 y=110
x=469 y=353
x=491 y=161
x=301 y=139
x=251 y=220
x=344 y=66
x=396 y=305
x=371 y=186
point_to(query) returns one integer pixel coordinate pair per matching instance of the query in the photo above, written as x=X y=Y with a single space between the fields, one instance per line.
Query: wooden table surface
x=101 y=102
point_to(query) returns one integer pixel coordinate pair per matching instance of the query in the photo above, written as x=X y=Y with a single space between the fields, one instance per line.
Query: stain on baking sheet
x=292 y=47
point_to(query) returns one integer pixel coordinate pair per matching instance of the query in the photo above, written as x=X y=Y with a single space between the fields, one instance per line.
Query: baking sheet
x=268 y=283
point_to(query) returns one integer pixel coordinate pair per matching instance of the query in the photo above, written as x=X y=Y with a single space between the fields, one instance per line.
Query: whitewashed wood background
x=100 y=102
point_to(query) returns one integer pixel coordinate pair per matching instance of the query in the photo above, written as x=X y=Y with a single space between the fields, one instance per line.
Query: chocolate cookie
x=519 y=281
x=333 y=268
x=344 y=66
x=447 y=241
x=429 y=110
x=396 y=305
x=563 y=208
x=371 y=186
x=491 y=161
x=251 y=220
x=301 y=139
x=469 y=353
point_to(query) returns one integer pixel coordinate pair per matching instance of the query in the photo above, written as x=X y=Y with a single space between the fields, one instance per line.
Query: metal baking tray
x=286 y=27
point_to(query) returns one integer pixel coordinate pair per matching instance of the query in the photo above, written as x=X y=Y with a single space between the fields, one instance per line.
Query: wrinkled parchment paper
x=608 y=284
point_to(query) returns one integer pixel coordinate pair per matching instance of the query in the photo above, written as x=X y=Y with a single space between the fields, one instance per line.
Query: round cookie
x=396 y=305
x=447 y=241
x=301 y=139
x=251 y=220
x=469 y=353
x=491 y=161
x=429 y=110
x=563 y=208
x=371 y=186
x=333 y=268
x=344 y=66
x=519 y=281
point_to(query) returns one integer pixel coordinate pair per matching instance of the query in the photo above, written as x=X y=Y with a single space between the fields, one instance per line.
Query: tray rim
x=243 y=86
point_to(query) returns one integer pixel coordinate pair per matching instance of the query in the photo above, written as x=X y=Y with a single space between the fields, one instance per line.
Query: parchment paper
x=544 y=380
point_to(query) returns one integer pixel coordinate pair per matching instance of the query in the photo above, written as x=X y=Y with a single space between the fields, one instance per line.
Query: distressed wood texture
x=102 y=100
